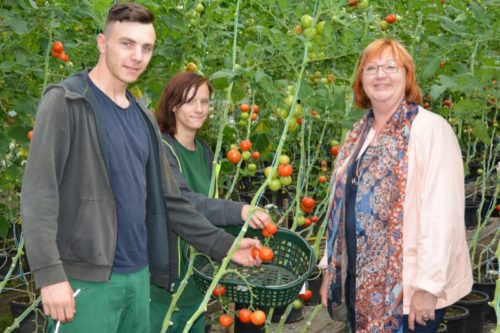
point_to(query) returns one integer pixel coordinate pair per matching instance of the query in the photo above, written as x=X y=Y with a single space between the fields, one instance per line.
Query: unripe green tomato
x=244 y=115
x=334 y=143
x=306 y=21
x=251 y=166
x=282 y=113
x=284 y=159
x=267 y=171
x=298 y=111
x=246 y=155
x=310 y=33
x=363 y=4
x=320 y=27
x=297 y=303
x=480 y=171
x=199 y=8
x=293 y=124
x=301 y=220
x=383 y=25
x=242 y=123
x=274 y=185
x=289 y=100
x=285 y=181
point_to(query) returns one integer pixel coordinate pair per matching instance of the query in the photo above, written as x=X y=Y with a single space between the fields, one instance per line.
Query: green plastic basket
x=274 y=284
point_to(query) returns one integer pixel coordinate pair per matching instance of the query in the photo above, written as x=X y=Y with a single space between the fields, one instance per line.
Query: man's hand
x=323 y=291
x=58 y=301
x=259 y=219
x=243 y=254
x=422 y=308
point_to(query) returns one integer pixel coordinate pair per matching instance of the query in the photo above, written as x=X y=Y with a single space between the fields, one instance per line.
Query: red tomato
x=255 y=108
x=307 y=222
x=266 y=254
x=244 y=316
x=255 y=155
x=314 y=219
x=391 y=18
x=271 y=228
x=63 y=56
x=57 y=47
x=307 y=202
x=497 y=208
x=219 y=291
x=265 y=233
x=322 y=179
x=234 y=156
x=299 y=121
x=254 y=116
x=334 y=151
x=245 y=145
x=225 y=320
x=306 y=296
x=255 y=252
x=258 y=318
x=285 y=170
x=30 y=135
x=244 y=108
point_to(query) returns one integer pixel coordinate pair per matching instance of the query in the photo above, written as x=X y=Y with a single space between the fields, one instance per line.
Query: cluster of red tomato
x=57 y=51
x=246 y=316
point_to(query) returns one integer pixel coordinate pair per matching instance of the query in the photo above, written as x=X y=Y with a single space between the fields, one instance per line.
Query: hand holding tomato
x=243 y=254
x=260 y=218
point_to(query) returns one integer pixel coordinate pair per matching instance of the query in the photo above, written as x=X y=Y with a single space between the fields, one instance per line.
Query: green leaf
x=481 y=132
x=19 y=26
x=437 y=90
x=222 y=78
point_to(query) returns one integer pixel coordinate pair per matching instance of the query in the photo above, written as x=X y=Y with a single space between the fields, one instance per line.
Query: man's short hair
x=128 y=12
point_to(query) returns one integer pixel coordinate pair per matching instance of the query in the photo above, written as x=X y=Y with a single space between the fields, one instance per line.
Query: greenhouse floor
x=321 y=324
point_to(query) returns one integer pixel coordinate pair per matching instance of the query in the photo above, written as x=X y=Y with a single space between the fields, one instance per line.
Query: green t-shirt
x=194 y=168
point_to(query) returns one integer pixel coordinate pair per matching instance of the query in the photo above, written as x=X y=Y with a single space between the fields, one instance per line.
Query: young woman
x=182 y=111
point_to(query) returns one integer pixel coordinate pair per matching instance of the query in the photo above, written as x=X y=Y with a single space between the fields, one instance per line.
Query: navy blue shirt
x=128 y=155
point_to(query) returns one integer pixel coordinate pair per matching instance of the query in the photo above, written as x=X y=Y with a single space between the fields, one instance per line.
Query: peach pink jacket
x=435 y=251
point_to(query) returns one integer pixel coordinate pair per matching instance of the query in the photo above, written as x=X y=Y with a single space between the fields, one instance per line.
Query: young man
x=99 y=202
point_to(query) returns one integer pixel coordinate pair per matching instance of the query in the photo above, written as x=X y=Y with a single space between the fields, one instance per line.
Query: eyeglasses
x=388 y=68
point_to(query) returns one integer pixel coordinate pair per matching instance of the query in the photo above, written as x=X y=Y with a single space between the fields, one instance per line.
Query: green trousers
x=118 y=305
x=160 y=302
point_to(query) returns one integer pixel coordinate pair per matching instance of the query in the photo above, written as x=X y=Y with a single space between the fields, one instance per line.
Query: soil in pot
x=476 y=302
x=35 y=322
x=489 y=289
x=455 y=319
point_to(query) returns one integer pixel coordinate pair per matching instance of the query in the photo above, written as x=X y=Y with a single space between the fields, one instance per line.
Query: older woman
x=396 y=249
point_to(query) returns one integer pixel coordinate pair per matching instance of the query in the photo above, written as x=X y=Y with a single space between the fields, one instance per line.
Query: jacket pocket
x=93 y=237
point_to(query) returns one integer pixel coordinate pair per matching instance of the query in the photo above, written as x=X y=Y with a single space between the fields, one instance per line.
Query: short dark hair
x=175 y=95
x=129 y=12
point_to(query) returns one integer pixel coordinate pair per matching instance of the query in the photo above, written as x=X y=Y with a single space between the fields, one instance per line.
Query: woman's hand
x=323 y=291
x=259 y=219
x=422 y=308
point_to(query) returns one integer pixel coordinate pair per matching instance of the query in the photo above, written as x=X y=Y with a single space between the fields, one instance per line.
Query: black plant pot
x=294 y=316
x=314 y=284
x=471 y=207
x=35 y=322
x=489 y=289
x=455 y=319
x=475 y=302
x=442 y=328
